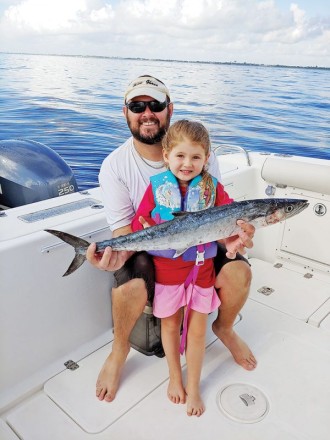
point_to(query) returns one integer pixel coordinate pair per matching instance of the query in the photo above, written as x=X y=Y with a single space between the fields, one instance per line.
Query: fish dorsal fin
x=180 y=213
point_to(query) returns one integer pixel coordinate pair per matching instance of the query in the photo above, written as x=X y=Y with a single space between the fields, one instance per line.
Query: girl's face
x=186 y=160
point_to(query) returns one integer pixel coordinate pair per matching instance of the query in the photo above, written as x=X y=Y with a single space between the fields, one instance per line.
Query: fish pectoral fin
x=180 y=213
x=179 y=252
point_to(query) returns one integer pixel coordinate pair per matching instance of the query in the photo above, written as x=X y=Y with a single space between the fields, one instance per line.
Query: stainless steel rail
x=229 y=149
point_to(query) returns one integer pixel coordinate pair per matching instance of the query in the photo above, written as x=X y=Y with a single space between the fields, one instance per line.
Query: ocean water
x=74 y=105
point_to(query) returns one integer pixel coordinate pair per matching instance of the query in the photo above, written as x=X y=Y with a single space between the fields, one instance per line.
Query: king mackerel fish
x=189 y=229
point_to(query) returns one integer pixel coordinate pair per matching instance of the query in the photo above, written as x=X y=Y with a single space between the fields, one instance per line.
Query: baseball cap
x=149 y=86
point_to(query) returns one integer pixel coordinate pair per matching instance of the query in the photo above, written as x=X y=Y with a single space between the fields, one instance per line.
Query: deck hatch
x=243 y=403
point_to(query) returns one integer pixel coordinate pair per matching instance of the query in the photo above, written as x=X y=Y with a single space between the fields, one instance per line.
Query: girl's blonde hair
x=196 y=133
x=193 y=131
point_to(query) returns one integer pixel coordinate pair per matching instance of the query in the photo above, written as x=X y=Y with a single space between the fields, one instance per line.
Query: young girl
x=186 y=282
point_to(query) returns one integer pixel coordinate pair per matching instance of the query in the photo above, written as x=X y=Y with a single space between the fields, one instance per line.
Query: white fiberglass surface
x=292 y=373
x=287 y=290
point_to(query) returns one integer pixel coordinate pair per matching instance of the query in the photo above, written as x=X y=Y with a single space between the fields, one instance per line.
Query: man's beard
x=150 y=139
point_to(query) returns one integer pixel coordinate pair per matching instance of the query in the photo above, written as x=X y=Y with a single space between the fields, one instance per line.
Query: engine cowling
x=30 y=172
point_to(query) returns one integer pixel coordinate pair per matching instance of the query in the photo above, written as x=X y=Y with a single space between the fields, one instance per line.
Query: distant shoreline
x=230 y=63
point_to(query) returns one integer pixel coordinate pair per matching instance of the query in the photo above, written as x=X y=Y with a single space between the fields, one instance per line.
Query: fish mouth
x=289 y=209
x=295 y=207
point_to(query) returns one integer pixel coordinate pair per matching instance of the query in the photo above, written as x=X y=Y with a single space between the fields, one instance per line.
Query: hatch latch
x=71 y=365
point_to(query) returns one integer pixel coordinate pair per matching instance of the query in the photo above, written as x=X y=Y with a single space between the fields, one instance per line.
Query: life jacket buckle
x=200 y=258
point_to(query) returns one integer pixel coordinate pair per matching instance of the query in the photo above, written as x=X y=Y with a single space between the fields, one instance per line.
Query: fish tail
x=76 y=242
x=78 y=260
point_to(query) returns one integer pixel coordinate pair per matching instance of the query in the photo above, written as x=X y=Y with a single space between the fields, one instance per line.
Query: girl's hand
x=144 y=222
x=239 y=242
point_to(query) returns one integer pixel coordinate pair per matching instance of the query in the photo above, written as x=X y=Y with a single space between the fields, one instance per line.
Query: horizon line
x=235 y=63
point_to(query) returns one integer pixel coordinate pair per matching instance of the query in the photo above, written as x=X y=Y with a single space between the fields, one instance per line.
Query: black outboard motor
x=30 y=172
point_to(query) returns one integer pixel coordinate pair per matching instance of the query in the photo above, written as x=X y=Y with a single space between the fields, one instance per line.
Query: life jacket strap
x=191 y=279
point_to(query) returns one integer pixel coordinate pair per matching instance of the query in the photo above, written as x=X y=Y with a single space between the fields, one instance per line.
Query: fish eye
x=289 y=208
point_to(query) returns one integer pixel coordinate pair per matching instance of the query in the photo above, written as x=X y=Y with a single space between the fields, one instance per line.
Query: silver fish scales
x=189 y=229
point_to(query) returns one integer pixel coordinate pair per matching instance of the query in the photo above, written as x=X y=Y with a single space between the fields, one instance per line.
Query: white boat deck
x=290 y=353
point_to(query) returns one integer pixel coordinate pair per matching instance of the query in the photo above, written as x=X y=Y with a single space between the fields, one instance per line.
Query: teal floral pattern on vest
x=168 y=198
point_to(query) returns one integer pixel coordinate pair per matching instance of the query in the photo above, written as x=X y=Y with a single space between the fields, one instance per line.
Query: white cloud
x=213 y=30
x=44 y=16
x=102 y=15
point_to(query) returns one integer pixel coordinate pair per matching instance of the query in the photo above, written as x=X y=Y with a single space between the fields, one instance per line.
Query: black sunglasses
x=140 y=106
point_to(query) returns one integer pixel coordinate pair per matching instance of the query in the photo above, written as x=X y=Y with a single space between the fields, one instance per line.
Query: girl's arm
x=144 y=210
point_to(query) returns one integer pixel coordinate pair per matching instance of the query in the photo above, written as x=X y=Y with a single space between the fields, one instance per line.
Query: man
x=124 y=176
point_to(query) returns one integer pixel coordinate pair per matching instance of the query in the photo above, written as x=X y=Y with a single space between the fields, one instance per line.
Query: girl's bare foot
x=176 y=392
x=195 y=404
x=238 y=348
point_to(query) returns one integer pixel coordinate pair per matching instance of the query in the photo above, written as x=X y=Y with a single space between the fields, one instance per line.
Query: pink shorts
x=169 y=299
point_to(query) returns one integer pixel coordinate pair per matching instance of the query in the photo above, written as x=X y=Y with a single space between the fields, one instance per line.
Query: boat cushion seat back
x=297 y=173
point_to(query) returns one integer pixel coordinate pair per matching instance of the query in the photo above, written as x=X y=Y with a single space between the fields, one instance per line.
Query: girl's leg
x=194 y=356
x=171 y=344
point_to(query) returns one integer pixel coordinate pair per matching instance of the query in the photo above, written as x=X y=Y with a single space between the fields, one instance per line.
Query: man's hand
x=108 y=260
x=239 y=242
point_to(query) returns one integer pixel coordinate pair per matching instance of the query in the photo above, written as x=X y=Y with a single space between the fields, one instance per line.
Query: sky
x=252 y=31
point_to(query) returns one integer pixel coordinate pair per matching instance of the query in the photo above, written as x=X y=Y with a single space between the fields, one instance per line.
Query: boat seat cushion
x=303 y=174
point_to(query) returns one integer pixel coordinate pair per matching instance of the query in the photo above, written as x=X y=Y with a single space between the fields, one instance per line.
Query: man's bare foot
x=109 y=377
x=238 y=348
x=195 y=404
x=175 y=391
